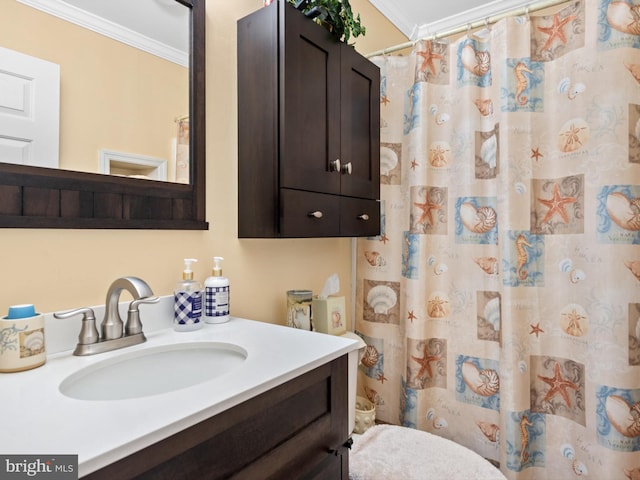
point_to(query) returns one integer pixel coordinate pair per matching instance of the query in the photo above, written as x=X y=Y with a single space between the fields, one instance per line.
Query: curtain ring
x=468 y=30
x=526 y=12
x=486 y=23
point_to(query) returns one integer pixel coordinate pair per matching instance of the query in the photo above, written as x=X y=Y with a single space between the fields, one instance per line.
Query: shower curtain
x=501 y=302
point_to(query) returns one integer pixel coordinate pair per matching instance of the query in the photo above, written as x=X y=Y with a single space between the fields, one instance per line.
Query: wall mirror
x=48 y=197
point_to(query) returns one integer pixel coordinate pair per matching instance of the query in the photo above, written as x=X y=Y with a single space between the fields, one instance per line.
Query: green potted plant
x=335 y=15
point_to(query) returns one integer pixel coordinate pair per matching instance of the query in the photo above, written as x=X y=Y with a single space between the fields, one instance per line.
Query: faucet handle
x=134 y=325
x=88 y=332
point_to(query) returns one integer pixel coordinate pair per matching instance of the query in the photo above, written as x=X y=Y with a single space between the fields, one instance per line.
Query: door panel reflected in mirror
x=123 y=111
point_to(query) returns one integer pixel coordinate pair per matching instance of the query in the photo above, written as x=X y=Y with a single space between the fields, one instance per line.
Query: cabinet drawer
x=296 y=219
x=359 y=217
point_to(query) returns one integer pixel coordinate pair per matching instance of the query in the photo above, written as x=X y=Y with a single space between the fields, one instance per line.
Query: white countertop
x=39 y=420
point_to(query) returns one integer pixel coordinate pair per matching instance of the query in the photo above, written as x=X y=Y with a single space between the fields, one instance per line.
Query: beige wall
x=109 y=91
x=61 y=269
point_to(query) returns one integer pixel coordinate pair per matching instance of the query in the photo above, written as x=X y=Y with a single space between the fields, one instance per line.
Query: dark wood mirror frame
x=35 y=197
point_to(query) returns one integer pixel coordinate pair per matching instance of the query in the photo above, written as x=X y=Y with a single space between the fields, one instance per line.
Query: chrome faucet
x=113 y=336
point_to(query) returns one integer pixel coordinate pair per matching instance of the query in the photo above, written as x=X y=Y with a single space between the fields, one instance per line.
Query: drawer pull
x=364 y=216
x=335 y=165
x=346 y=168
x=316 y=214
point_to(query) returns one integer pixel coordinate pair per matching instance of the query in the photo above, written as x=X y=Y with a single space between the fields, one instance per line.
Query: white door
x=29 y=110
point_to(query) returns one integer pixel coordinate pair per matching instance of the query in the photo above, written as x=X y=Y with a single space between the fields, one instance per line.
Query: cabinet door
x=360 y=125
x=309 y=105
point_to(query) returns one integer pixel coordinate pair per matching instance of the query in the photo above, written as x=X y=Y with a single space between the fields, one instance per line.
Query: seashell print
x=492 y=313
x=637 y=129
x=442 y=118
x=439 y=154
x=34 y=341
x=623 y=17
x=370 y=356
x=484 y=382
x=484 y=106
x=577 y=275
x=489 y=151
x=475 y=61
x=477 y=220
x=633 y=474
x=431 y=260
x=579 y=468
x=487 y=264
x=624 y=212
x=439 y=423
x=431 y=413
x=374 y=259
x=634 y=267
x=382 y=298
x=438 y=305
x=568 y=451
x=565 y=265
x=490 y=430
x=573 y=135
x=388 y=160
x=564 y=84
x=637 y=332
x=575 y=89
x=433 y=109
x=625 y=418
x=574 y=320
x=520 y=188
x=522 y=366
x=440 y=268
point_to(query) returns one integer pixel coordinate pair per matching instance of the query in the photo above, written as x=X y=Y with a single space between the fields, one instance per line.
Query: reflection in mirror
x=122 y=110
x=42 y=197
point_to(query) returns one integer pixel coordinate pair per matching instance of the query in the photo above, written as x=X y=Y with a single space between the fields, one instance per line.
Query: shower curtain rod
x=472 y=25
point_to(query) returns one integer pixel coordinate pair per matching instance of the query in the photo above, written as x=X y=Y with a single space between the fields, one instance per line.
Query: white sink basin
x=153 y=371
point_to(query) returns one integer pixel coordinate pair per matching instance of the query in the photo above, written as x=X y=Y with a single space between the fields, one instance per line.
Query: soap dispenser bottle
x=216 y=295
x=187 y=301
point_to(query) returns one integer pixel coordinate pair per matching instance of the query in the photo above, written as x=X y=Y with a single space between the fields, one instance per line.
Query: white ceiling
x=160 y=27
x=423 y=18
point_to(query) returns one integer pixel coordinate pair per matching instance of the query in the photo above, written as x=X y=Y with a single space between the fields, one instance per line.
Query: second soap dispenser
x=216 y=295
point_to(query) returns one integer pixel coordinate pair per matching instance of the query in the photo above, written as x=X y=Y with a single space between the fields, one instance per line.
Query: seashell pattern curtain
x=501 y=303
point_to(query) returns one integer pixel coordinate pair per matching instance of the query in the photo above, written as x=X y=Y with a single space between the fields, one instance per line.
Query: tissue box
x=329 y=315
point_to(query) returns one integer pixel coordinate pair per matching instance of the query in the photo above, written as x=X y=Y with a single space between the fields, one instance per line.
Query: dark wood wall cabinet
x=308 y=130
x=297 y=430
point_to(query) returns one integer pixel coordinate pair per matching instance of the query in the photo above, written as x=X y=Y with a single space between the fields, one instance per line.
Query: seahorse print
x=522 y=82
x=523 y=257
x=524 y=433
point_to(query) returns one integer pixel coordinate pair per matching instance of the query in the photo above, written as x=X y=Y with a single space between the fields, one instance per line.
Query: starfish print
x=384 y=99
x=414 y=164
x=558 y=385
x=412 y=316
x=384 y=239
x=426 y=208
x=425 y=362
x=536 y=329
x=381 y=378
x=535 y=154
x=556 y=30
x=428 y=57
x=556 y=205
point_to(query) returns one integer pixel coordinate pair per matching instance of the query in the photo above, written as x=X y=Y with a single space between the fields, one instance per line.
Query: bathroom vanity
x=280 y=413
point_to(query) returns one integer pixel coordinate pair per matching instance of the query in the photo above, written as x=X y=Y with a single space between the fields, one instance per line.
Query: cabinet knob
x=346 y=168
x=316 y=214
x=335 y=165
x=364 y=217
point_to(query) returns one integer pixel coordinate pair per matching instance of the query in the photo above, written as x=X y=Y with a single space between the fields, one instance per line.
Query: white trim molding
x=95 y=23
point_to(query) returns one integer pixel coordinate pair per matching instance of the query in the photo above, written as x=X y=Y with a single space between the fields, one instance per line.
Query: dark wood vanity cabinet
x=294 y=431
x=308 y=130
